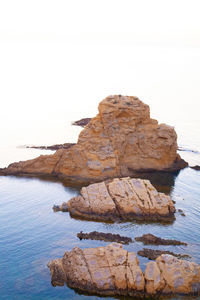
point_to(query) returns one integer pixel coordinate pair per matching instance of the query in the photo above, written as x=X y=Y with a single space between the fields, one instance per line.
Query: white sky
x=58 y=59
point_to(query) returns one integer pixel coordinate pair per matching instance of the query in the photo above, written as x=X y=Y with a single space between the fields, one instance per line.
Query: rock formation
x=107 y=237
x=150 y=239
x=170 y=275
x=124 y=198
x=153 y=254
x=197 y=168
x=106 y=270
x=53 y=147
x=120 y=141
x=83 y=122
x=111 y=270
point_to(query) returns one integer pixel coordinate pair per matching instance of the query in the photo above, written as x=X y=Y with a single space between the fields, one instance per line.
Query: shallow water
x=31 y=234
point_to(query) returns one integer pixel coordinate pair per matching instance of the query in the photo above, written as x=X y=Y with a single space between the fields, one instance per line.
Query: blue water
x=31 y=234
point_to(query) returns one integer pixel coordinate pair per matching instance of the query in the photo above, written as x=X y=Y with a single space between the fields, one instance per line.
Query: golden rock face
x=121 y=140
x=111 y=270
x=122 y=198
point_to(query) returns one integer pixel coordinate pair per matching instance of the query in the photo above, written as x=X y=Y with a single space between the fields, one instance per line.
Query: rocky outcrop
x=106 y=270
x=120 y=141
x=121 y=198
x=153 y=254
x=111 y=270
x=150 y=239
x=83 y=122
x=197 y=168
x=107 y=237
x=170 y=275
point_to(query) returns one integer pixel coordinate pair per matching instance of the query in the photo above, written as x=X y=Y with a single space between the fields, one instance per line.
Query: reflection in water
x=163 y=181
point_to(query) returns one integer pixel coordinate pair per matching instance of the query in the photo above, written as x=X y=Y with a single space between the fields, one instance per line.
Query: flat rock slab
x=153 y=254
x=111 y=270
x=107 y=237
x=150 y=239
x=122 y=199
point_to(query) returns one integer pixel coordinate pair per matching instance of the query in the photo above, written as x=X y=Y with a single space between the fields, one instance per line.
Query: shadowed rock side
x=120 y=141
x=111 y=270
x=150 y=239
x=124 y=198
x=153 y=254
x=107 y=237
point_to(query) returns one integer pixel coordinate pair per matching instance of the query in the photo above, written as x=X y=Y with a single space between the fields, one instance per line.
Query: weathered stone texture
x=111 y=270
x=120 y=141
x=121 y=198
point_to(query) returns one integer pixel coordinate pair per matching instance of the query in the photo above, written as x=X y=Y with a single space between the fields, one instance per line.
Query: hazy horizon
x=60 y=59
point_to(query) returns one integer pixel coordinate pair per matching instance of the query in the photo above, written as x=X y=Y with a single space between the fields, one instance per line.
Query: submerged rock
x=153 y=254
x=111 y=270
x=83 y=122
x=122 y=198
x=150 y=239
x=107 y=237
x=121 y=140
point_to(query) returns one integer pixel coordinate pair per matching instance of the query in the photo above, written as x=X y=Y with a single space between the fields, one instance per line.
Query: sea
x=31 y=233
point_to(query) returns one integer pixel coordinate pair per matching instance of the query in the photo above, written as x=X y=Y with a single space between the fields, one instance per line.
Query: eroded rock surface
x=120 y=141
x=122 y=198
x=106 y=270
x=170 y=275
x=150 y=239
x=111 y=270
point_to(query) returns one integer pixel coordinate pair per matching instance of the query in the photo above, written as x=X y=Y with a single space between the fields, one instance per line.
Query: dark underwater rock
x=107 y=237
x=152 y=254
x=150 y=239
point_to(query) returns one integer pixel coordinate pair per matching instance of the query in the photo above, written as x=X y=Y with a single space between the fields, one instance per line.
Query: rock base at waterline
x=150 y=239
x=107 y=237
x=121 y=199
x=121 y=140
x=111 y=270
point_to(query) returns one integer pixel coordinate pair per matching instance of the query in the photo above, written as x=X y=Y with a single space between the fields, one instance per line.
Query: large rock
x=121 y=198
x=171 y=275
x=106 y=270
x=120 y=141
x=111 y=270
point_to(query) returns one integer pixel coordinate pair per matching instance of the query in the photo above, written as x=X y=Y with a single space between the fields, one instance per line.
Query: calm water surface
x=31 y=234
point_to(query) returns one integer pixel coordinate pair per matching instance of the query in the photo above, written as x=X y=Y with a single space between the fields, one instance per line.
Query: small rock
x=83 y=122
x=63 y=207
x=196 y=168
x=53 y=147
x=150 y=239
x=153 y=254
x=107 y=237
